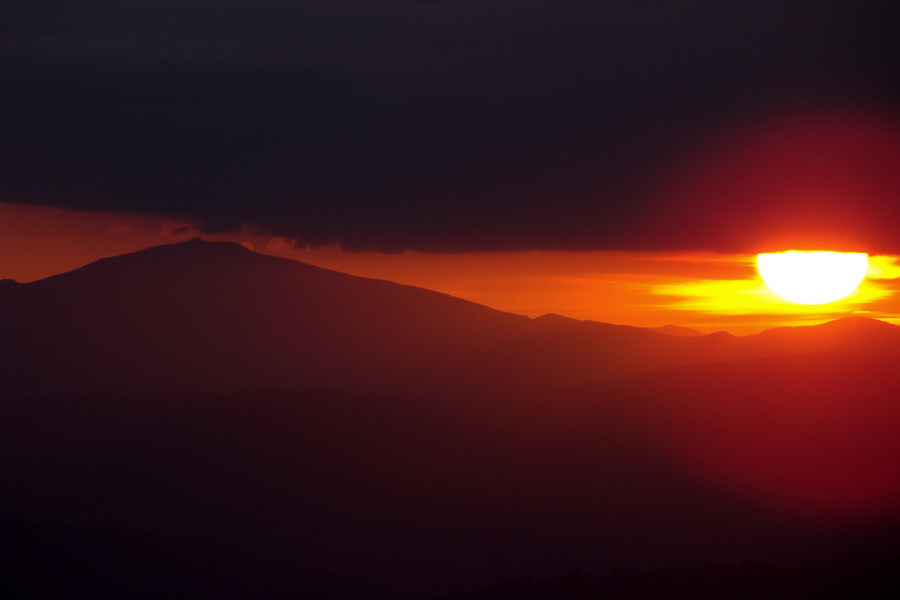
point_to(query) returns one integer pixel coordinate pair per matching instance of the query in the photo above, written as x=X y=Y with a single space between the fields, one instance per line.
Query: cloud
x=444 y=126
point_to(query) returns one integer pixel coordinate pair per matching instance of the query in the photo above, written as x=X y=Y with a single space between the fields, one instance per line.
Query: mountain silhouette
x=218 y=317
x=200 y=315
x=380 y=432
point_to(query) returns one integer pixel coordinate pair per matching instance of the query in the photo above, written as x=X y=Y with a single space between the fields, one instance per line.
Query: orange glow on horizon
x=704 y=291
x=748 y=298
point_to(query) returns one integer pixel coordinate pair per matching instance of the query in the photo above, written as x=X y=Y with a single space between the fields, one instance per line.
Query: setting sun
x=812 y=277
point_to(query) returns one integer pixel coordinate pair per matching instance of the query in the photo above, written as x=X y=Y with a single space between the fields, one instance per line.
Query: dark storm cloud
x=428 y=125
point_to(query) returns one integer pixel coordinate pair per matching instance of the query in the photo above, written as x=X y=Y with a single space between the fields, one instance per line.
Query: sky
x=467 y=146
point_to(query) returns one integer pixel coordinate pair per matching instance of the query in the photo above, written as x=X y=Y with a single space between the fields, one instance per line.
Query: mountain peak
x=555 y=318
x=197 y=242
x=677 y=331
x=157 y=265
x=198 y=245
x=846 y=325
x=194 y=247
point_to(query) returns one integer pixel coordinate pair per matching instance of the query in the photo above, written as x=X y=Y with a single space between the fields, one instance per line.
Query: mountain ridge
x=199 y=248
x=215 y=315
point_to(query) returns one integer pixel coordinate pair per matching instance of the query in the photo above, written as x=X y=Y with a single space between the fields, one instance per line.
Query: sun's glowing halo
x=812 y=277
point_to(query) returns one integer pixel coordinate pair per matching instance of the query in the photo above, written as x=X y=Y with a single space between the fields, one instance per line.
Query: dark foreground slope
x=859 y=577
x=63 y=561
x=53 y=561
x=706 y=465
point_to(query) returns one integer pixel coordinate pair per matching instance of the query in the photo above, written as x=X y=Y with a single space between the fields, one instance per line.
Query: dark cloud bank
x=451 y=126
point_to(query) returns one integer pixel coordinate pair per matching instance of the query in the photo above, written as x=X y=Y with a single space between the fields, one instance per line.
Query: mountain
x=204 y=393
x=856 y=334
x=218 y=317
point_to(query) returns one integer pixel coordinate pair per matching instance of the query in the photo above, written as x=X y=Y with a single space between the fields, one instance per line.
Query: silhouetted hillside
x=861 y=577
x=55 y=561
x=216 y=316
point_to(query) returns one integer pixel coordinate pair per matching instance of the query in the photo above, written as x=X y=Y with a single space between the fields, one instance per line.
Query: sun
x=812 y=277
